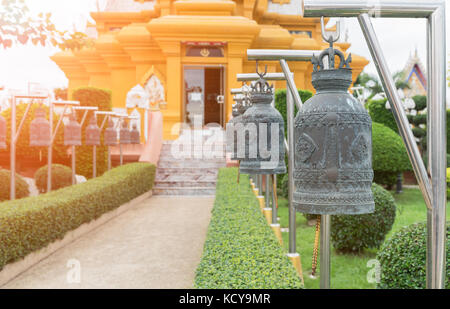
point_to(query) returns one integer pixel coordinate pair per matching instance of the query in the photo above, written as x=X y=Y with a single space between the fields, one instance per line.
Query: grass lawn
x=350 y=271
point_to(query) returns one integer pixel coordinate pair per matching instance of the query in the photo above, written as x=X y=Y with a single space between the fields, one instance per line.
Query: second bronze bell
x=262 y=134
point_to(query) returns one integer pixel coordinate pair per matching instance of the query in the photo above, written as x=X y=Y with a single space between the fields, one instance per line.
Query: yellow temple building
x=175 y=48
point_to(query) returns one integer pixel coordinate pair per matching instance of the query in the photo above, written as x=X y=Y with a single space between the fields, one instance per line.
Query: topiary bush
x=241 y=251
x=32 y=223
x=280 y=101
x=61 y=177
x=389 y=155
x=101 y=98
x=403 y=259
x=354 y=233
x=5 y=186
x=380 y=114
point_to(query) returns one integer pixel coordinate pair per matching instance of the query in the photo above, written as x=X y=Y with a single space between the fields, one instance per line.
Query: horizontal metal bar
x=277 y=54
x=247 y=77
x=378 y=8
x=62 y=102
x=236 y=91
x=26 y=96
x=85 y=108
x=105 y=113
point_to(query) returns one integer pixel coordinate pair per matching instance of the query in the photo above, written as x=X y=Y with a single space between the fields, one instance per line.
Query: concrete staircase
x=189 y=165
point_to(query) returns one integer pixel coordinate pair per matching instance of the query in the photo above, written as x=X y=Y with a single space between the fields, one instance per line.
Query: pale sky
x=22 y=64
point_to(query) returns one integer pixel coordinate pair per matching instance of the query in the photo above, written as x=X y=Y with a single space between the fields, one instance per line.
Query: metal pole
x=74 y=178
x=436 y=217
x=50 y=152
x=267 y=193
x=290 y=138
x=94 y=161
x=274 y=203
x=260 y=184
x=109 y=157
x=383 y=8
x=12 y=159
x=397 y=107
x=325 y=261
x=278 y=54
x=121 y=157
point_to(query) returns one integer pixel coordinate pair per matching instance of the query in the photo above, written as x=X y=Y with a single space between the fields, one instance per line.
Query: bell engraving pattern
x=72 y=132
x=40 y=129
x=125 y=133
x=93 y=132
x=2 y=133
x=110 y=134
x=333 y=145
x=134 y=135
x=263 y=133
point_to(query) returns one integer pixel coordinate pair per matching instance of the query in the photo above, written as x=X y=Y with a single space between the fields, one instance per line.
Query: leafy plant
x=5 y=186
x=380 y=114
x=17 y=26
x=32 y=223
x=241 y=251
x=354 y=233
x=403 y=259
x=101 y=98
x=389 y=155
x=61 y=177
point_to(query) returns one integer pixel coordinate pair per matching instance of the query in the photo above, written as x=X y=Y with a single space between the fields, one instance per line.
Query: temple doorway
x=203 y=95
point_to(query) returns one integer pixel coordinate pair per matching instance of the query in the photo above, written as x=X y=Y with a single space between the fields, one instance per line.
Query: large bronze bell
x=2 y=133
x=93 y=132
x=110 y=134
x=333 y=145
x=125 y=133
x=72 y=132
x=263 y=133
x=135 y=137
x=40 y=134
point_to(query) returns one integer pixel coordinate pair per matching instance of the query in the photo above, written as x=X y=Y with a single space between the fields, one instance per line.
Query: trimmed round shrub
x=5 y=183
x=354 y=233
x=403 y=259
x=61 y=177
x=389 y=155
x=380 y=114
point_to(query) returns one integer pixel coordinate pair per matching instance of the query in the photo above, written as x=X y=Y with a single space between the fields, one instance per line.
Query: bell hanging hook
x=330 y=36
x=261 y=75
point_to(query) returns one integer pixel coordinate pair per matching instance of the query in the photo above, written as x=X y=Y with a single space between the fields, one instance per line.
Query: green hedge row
x=241 y=251
x=32 y=223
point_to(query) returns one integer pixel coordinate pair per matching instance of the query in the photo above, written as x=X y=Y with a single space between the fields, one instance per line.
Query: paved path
x=157 y=244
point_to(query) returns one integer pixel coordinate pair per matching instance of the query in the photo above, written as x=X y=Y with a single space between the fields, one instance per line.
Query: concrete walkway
x=157 y=244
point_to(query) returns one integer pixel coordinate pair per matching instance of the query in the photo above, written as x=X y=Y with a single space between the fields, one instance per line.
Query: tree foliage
x=18 y=26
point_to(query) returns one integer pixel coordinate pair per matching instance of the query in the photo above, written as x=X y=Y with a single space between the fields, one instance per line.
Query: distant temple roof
x=415 y=69
x=127 y=6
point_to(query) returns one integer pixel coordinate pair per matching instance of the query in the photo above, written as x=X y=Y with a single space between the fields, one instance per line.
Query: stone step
x=184 y=191
x=195 y=164
x=192 y=160
x=185 y=177
x=201 y=149
x=185 y=184
x=207 y=171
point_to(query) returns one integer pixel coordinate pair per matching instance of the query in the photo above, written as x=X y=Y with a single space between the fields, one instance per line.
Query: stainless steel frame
x=432 y=184
x=15 y=132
